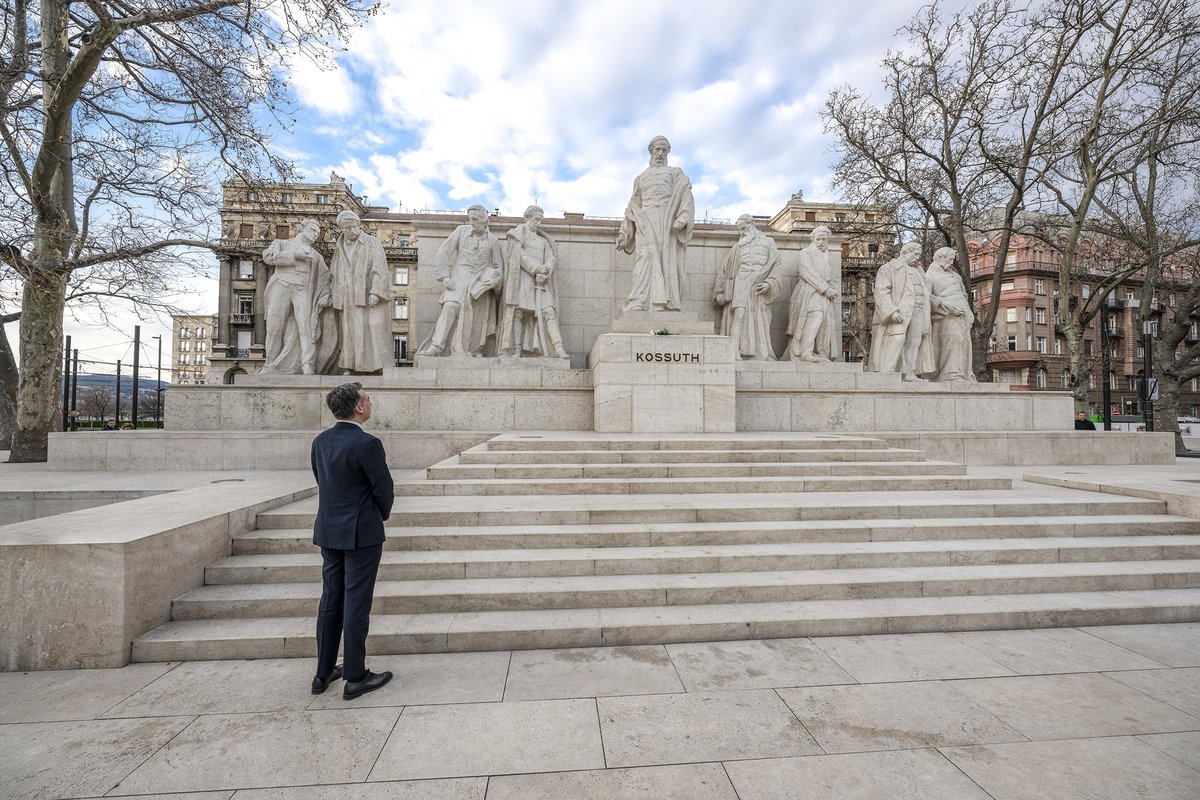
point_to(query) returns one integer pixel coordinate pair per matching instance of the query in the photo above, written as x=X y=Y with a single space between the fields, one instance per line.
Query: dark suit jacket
x=355 y=488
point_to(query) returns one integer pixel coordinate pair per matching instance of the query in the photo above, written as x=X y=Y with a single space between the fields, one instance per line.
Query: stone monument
x=900 y=326
x=814 y=308
x=296 y=294
x=471 y=270
x=951 y=318
x=360 y=284
x=530 y=323
x=744 y=290
x=656 y=230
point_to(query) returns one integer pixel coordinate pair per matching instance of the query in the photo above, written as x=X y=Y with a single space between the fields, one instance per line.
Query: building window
x=285 y=197
x=1087 y=347
x=199 y=360
x=1132 y=383
x=1039 y=286
x=201 y=347
x=202 y=333
x=1141 y=351
x=400 y=308
x=1041 y=379
x=810 y=216
x=1085 y=291
x=1129 y=296
x=184 y=333
x=1028 y=314
x=283 y=231
x=245 y=304
x=1007 y=286
x=183 y=359
x=185 y=346
x=872 y=249
x=1010 y=260
x=252 y=197
x=1041 y=316
x=1012 y=343
x=1195 y=384
x=1010 y=315
x=1028 y=342
x=245 y=269
x=1041 y=344
x=1112 y=380
x=1171 y=299
x=246 y=231
x=1059 y=346
x=1091 y=381
x=322 y=199
x=400 y=276
x=400 y=347
x=1065 y=380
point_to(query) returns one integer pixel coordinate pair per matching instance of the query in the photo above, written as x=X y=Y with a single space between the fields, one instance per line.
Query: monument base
x=674 y=322
x=644 y=383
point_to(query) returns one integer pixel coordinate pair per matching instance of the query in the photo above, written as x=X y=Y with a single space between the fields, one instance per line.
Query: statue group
x=502 y=298
x=326 y=318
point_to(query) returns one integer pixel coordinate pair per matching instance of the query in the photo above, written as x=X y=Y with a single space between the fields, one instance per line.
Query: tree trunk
x=38 y=393
x=1166 y=409
x=9 y=376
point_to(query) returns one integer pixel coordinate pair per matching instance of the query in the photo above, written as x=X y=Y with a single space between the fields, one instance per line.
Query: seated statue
x=900 y=325
x=951 y=317
x=745 y=289
x=471 y=270
x=814 y=307
x=296 y=294
x=530 y=322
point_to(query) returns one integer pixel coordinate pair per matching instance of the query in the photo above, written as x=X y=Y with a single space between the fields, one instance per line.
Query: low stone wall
x=21 y=506
x=78 y=588
x=1045 y=448
x=238 y=449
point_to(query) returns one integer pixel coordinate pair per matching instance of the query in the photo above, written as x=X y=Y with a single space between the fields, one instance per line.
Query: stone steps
x=608 y=591
x=651 y=509
x=468 y=564
x=716 y=485
x=740 y=469
x=574 y=539
x=481 y=455
x=298 y=540
x=293 y=637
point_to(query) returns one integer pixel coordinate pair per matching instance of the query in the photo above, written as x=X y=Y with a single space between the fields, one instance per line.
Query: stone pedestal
x=676 y=322
x=663 y=384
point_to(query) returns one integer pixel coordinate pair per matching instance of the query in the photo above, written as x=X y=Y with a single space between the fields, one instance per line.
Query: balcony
x=237 y=352
x=400 y=253
x=1114 y=303
x=1115 y=332
x=1014 y=358
x=241 y=319
x=1072 y=300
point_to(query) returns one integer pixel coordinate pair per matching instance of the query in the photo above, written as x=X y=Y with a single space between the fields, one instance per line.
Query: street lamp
x=158 y=386
x=1148 y=365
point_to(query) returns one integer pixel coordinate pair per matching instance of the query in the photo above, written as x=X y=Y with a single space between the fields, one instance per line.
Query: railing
x=400 y=253
x=236 y=352
x=241 y=319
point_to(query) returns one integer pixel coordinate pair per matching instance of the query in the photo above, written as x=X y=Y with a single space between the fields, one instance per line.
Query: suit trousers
x=348 y=587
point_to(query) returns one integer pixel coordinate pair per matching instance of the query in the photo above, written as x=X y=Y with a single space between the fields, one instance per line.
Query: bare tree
x=96 y=401
x=968 y=111
x=1130 y=112
x=118 y=119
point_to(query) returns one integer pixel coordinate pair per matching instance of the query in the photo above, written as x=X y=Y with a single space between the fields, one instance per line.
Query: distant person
x=109 y=425
x=128 y=426
x=1082 y=423
x=355 y=495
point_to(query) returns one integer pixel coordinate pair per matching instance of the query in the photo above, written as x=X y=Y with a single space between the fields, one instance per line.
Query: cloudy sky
x=438 y=105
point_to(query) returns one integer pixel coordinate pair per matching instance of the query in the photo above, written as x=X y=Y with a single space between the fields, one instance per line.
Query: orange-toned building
x=1028 y=348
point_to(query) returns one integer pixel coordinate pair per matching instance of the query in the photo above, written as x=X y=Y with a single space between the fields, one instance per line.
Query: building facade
x=193 y=338
x=1028 y=349
x=252 y=216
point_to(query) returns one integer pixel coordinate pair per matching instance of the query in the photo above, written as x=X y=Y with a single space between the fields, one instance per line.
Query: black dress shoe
x=369 y=683
x=321 y=684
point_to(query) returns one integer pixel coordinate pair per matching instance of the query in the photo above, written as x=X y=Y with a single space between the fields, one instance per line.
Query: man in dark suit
x=355 y=497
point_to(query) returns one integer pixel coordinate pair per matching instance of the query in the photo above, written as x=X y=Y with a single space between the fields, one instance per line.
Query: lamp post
x=1148 y=366
x=158 y=386
x=1104 y=344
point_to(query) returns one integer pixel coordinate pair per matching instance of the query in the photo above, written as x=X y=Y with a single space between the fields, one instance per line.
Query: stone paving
x=1093 y=713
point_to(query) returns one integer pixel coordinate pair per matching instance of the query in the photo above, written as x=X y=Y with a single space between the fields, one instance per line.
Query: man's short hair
x=910 y=247
x=820 y=230
x=344 y=399
x=348 y=216
x=482 y=211
x=529 y=212
x=656 y=139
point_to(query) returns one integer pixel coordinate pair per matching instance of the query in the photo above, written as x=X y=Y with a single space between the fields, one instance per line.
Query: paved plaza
x=1071 y=714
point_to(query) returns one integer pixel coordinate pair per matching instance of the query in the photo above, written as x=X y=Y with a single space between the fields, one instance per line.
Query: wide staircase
x=566 y=540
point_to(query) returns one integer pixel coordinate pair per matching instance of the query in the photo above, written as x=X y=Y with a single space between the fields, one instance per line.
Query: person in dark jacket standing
x=355 y=494
x=1082 y=423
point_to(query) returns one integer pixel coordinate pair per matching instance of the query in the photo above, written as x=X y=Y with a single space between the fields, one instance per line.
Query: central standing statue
x=656 y=230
